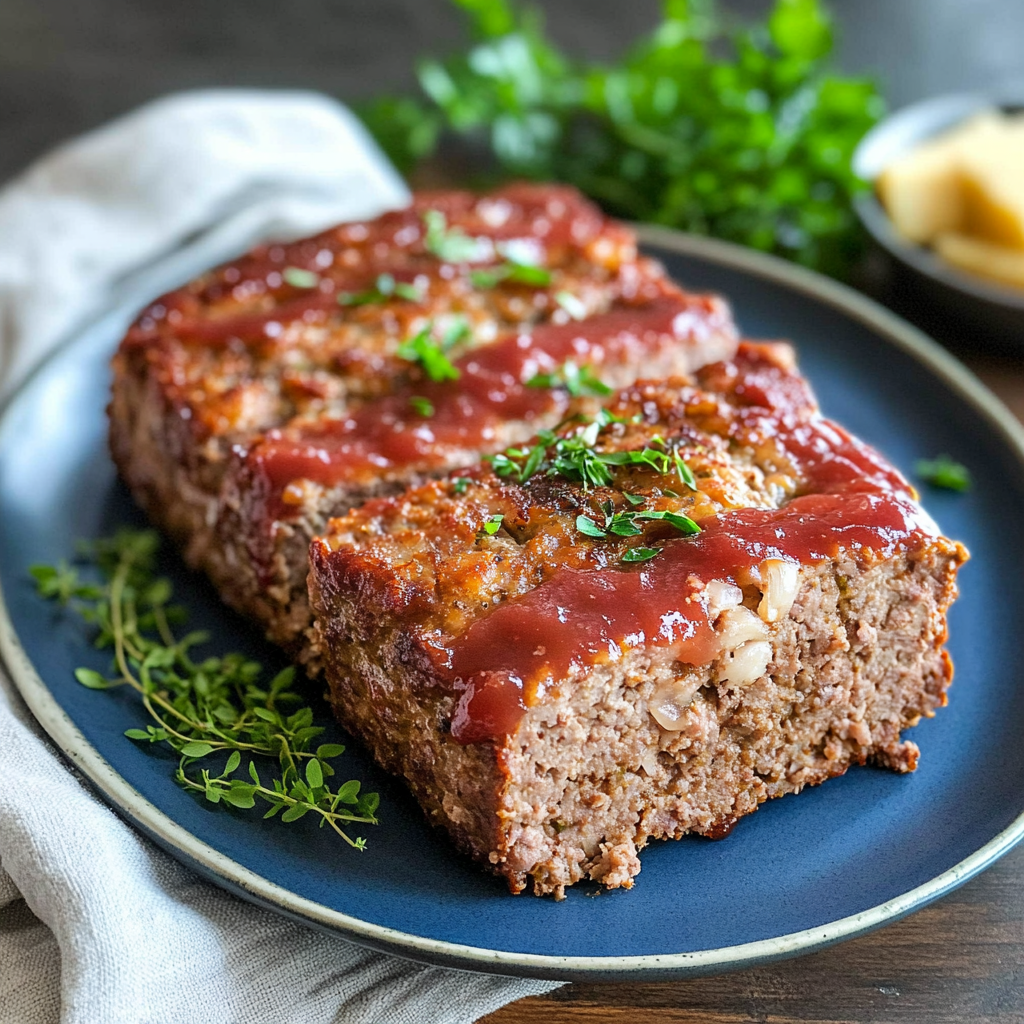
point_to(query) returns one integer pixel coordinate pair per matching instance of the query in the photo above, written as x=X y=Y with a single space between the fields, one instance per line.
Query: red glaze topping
x=854 y=502
x=539 y=225
x=505 y=662
x=468 y=412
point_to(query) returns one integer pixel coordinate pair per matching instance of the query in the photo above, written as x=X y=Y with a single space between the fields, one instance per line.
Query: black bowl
x=925 y=287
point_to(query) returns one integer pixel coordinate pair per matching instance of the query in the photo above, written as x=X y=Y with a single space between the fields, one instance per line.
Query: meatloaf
x=641 y=624
x=286 y=387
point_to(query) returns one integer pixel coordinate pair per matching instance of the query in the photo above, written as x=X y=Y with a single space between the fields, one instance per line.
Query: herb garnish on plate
x=203 y=708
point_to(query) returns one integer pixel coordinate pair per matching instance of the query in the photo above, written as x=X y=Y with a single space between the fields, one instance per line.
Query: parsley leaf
x=450 y=245
x=429 y=353
x=577 y=380
x=299 y=278
x=423 y=406
x=493 y=524
x=384 y=288
x=942 y=471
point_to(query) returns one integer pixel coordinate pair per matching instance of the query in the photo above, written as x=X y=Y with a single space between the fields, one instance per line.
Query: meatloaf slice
x=640 y=626
x=290 y=385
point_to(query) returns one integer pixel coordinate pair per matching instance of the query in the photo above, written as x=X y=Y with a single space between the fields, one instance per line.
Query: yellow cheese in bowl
x=992 y=178
x=963 y=193
x=923 y=191
x=996 y=262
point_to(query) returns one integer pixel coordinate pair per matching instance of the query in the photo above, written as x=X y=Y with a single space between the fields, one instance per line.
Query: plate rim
x=178 y=841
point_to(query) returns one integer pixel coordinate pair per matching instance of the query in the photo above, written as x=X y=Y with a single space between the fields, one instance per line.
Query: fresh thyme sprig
x=202 y=708
x=431 y=353
x=575 y=458
x=577 y=380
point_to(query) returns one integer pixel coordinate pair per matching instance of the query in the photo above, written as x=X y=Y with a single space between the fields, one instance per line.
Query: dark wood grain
x=959 y=960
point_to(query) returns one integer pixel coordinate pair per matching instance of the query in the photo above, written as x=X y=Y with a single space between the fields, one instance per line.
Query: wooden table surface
x=956 y=961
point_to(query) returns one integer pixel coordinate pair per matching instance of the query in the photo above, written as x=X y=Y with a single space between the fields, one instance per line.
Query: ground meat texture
x=555 y=706
x=272 y=393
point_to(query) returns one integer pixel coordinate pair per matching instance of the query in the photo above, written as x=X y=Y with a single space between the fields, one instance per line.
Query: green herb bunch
x=207 y=707
x=743 y=133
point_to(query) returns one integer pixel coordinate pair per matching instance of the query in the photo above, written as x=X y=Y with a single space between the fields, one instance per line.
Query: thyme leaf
x=513 y=271
x=202 y=707
x=422 y=406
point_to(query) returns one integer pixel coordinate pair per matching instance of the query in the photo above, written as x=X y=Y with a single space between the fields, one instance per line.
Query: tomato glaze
x=254 y=302
x=389 y=434
x=507 y=662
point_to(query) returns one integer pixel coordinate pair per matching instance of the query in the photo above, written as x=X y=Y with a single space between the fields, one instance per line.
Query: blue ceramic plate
x=800 y=873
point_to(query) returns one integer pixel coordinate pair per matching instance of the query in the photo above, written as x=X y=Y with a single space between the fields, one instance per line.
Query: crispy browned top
x=748 y=430
x=252 y=346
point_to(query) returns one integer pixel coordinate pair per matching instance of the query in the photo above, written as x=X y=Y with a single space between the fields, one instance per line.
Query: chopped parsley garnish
x=423 y=406
x=299 y=278
x=572 y=305
x=429 y=353
x=459 y=484
x=493 y=524
x=942 y=471
x=575 y=459
x=623 y=523
x=513 y=271
x=577 y=380
x=384 y=288
x=640 y=554
x=451 y=245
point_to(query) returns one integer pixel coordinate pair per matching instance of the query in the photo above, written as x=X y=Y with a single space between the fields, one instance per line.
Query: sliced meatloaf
x=639 y=625
x=292 y=384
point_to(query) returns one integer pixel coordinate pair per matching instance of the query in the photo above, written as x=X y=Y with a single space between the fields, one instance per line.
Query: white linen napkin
x=119 y=933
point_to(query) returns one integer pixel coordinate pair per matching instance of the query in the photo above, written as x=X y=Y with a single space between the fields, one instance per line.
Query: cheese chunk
x=996 y=262
x=992 y=176
x=922 y=192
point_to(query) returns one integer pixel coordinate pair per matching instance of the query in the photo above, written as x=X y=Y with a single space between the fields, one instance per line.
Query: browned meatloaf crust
x=555 y=705
x=275 y=391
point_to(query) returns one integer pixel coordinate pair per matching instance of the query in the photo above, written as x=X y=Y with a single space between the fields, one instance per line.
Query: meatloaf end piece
x=563 y=670
x=292 y=384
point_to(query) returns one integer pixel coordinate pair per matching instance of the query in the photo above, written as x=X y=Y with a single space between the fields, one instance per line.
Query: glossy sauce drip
x=468 y=413
x=505 y=662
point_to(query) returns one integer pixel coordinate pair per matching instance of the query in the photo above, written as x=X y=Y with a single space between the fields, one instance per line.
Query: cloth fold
x=119 y=932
